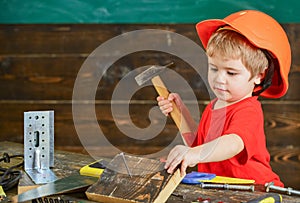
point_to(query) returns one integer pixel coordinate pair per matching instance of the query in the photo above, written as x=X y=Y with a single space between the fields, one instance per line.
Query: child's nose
x=220 y=77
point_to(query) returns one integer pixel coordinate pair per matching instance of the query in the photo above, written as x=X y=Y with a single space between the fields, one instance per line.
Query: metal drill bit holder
x=39 y=146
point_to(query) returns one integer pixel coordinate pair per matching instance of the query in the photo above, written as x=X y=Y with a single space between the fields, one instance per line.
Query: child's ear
x=260 y=76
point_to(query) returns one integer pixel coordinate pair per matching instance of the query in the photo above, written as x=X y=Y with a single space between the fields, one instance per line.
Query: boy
x=248 y=56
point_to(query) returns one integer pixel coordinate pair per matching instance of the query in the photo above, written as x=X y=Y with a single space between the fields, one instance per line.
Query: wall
x=138 y=11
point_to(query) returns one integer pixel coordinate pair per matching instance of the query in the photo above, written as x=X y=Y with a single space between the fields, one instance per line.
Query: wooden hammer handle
x=176 y=115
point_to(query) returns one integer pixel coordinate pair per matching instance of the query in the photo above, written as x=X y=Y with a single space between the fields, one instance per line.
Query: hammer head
x=150 y=73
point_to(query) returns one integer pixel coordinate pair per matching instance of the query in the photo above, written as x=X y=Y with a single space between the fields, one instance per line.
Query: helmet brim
x=207 y=27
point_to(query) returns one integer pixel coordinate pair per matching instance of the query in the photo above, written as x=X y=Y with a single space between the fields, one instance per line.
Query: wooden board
x=148 y=181
x=36 y=60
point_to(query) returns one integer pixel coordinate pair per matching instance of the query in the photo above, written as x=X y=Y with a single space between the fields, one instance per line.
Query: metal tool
x=39 y=145
x=228 y=186
x=60 y=186
x=290 y=191
x=124 y=160
x=60 y=199
x=152 y=73
x=195 y=177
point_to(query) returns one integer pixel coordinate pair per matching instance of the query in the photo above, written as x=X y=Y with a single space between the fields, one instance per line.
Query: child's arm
x=165 y=106
x=222 y=148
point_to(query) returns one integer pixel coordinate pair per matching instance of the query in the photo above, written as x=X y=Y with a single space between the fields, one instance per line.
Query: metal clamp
x=39 y=145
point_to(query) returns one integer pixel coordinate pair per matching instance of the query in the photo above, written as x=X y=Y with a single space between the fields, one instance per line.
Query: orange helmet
x=265 y=33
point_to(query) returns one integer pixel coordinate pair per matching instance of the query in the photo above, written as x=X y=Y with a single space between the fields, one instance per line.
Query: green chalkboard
x=139 y=11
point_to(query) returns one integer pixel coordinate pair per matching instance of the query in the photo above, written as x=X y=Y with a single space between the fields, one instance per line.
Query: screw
x=288 y=190
x=228 y=187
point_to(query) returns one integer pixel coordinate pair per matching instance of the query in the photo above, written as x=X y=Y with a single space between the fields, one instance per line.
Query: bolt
x=228 y=187
x=288 y=190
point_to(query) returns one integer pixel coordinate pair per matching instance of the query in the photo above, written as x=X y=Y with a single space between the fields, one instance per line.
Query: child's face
x=230 y=80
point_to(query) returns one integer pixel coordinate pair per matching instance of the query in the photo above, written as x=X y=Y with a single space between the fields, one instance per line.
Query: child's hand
x=183 y=155
x=165 y=104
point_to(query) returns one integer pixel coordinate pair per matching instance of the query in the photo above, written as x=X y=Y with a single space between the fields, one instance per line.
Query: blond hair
x=230 y=44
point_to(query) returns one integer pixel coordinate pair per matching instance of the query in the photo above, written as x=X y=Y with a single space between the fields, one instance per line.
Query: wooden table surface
x=67 y=163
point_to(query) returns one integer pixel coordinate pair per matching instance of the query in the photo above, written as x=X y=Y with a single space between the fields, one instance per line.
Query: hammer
x=152 y=74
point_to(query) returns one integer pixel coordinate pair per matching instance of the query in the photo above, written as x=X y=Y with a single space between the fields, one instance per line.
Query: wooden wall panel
x=43 y=58
x=27 y=77
x=282 y=123
x=72 y=38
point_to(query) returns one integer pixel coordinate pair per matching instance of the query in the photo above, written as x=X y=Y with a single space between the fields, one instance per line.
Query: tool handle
x=271 y=197
x=176 y=115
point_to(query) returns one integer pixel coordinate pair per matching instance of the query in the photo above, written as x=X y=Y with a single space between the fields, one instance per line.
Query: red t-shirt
x=244 y=118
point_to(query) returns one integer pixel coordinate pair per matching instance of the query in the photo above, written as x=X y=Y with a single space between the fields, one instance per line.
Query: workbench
x=68 y=163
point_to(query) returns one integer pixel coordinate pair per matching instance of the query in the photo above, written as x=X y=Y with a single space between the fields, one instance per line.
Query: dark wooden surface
x=39 y=65
x=68 y=163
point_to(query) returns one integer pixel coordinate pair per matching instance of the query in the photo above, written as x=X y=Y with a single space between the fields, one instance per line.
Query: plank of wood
x=148 y=181
x=72 y=38
x=27 y=77
x=281 y=124
x=38 y=59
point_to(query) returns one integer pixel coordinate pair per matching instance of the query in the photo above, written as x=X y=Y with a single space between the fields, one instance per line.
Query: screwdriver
x=269 y=198
x=2 y=194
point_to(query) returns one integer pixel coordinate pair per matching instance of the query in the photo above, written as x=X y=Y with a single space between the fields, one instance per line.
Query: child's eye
x=231 y=73
x=213 y=69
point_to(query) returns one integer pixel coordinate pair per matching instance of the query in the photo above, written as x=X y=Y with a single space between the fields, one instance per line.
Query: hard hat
x=265 y=33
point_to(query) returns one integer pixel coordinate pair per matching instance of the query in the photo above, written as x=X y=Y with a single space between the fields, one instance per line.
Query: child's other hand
x=165 y=104
x=183 y=155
